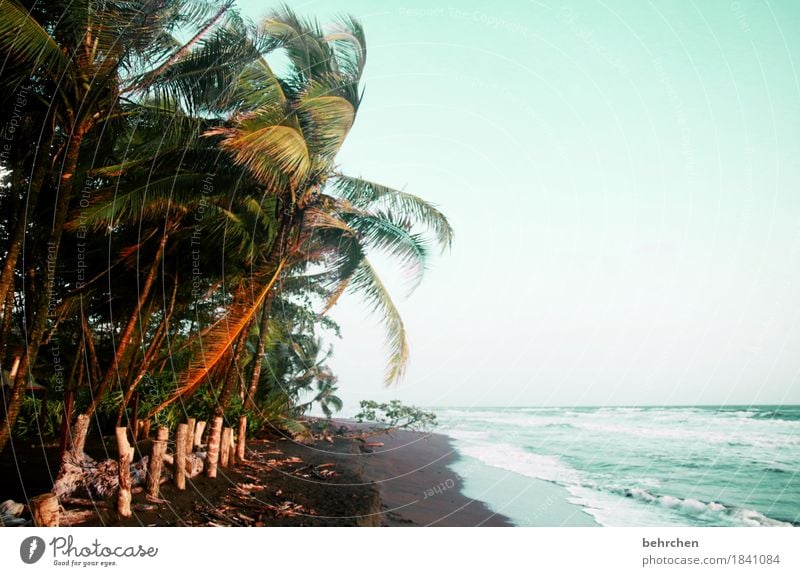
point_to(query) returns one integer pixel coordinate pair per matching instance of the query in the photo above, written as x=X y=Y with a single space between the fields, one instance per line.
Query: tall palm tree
x=286 y=133
x=82 y=57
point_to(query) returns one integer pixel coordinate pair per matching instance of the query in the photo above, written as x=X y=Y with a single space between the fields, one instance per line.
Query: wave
x=702 y=510
x=514 y=459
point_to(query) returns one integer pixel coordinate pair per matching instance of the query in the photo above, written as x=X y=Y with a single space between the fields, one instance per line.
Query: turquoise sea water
x=627 y=466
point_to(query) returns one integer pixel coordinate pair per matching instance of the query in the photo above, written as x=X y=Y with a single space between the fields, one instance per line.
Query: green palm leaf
x=365 y=195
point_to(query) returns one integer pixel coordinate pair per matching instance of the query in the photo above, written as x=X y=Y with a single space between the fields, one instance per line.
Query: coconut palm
x=286 y=133
x=81 y=57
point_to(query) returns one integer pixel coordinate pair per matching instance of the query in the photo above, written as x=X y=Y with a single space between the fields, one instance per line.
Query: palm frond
x=218 y=342
x=367 y=283
x=363 y=194
x=23 y=38
x=272 y=153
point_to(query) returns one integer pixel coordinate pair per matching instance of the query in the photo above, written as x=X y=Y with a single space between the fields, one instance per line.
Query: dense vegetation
x=173 y=226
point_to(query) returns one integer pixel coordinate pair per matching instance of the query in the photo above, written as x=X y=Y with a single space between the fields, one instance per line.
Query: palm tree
x=83 y=56
x=286 y=134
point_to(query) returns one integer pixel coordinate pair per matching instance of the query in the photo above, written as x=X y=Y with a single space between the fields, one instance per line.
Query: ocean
x=629 y=466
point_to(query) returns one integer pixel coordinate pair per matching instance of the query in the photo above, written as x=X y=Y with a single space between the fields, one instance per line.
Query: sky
x=623 y=179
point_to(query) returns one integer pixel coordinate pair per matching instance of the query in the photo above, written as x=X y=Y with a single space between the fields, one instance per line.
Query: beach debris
x=84 y=503
x=75 y=517
x=11 y=508
x=11 y=514
x=247 y=488
x=194 y=465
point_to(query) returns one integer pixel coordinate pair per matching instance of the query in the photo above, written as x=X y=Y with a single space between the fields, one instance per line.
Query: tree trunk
x=125 y=458
x=18 y=237
x=150 y=355
x=39 y=320
x=127 y=335
x=263 y=327
x=5 y=327
x=234 y=375
x=70 y=474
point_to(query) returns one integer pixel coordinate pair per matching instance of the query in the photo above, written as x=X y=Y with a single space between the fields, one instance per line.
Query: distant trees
x=173 y=223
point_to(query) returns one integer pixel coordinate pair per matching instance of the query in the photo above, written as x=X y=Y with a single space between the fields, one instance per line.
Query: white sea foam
x=632 y=466
x=521 y=461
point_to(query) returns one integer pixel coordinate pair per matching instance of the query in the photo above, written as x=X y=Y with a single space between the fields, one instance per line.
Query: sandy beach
x=347 y=482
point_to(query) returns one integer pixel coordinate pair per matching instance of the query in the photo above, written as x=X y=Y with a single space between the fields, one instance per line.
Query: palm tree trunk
x=18 y=237
x=5 y=330
x=249 y=403
x=150 y=355
x=232 y=380
x=39 y=320
x=127 y=336
x=95 y=373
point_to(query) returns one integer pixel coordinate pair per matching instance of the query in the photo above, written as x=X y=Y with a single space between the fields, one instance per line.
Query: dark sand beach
x=346 y=482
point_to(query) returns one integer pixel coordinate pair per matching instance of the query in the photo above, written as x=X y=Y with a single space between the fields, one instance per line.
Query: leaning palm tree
x=286 y=134
x=83 y=57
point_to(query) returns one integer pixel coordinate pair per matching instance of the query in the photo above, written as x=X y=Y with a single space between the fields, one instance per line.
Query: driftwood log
x=71 y=471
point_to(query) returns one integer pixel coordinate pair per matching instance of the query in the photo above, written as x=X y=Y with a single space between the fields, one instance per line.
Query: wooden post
x=125 y=458
x=157 y=461
x=190 y=436
x=146 y=429
x=225 y=447
x=232 y=448
x=198 y=433
x=213 y=447
x=241 y=440
x=180 y=456
x=45 y=509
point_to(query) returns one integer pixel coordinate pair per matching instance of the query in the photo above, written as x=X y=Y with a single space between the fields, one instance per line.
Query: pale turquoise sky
x=623 y=179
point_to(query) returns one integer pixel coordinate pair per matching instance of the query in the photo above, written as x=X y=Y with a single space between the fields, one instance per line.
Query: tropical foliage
x=174 y=227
